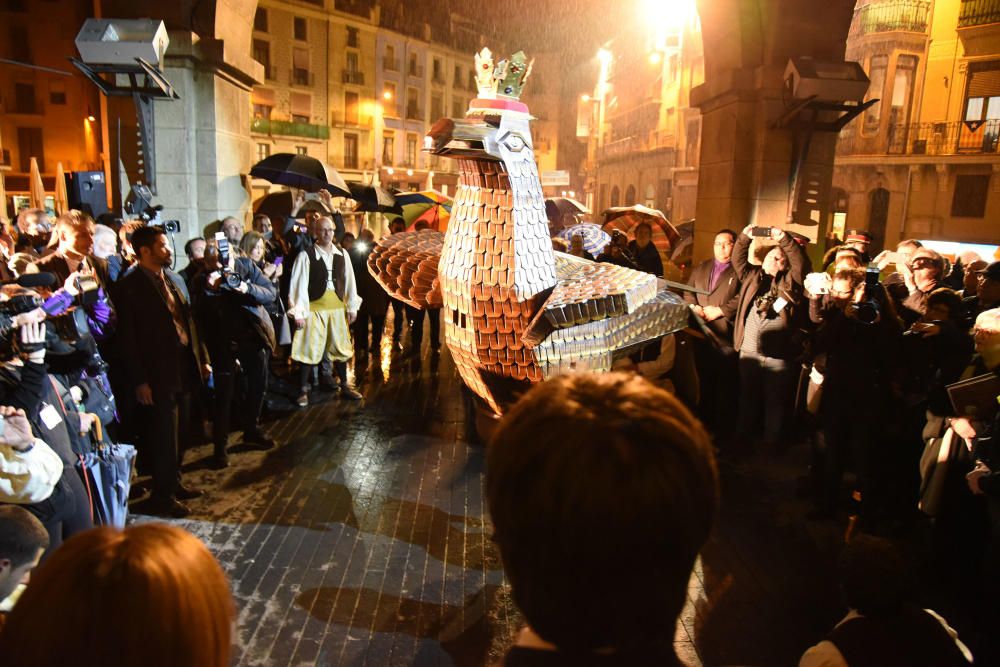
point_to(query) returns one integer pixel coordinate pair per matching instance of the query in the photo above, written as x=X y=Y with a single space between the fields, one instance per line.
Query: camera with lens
x=87 y=289
x=11 y=308
x=230 y=278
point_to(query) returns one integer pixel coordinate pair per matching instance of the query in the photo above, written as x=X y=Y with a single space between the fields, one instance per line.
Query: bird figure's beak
x=471 y=138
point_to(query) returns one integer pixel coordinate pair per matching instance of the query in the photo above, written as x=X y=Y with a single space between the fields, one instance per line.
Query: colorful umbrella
x=626 y=218
x=301 y=171
x=62 y=197
x=429 y=205
x=36 y=192
x=564 y=206
x=594 y=238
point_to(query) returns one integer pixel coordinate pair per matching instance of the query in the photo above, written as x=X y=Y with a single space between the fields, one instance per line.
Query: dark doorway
x=878 y=216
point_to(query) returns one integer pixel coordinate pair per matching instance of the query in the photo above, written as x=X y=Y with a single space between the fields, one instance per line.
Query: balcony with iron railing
x=289 y=129
x=354 y=76
x=978 y=12
x=915 y=139
x=891 y=15
x=635 y=145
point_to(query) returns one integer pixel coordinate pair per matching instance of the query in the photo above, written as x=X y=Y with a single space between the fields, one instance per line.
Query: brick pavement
x=363 y=540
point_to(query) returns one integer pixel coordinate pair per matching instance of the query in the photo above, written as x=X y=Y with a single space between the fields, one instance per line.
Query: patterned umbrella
x=594 y=238
x=429 y=205
x=626 y=218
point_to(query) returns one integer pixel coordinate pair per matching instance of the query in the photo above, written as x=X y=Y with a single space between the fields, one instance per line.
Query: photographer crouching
x=230 y=299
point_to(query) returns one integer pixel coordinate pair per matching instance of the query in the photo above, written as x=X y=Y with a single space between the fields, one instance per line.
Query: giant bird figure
x=514 y=311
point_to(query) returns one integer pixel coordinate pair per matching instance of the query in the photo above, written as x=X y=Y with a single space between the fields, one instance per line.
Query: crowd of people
x=855 y=358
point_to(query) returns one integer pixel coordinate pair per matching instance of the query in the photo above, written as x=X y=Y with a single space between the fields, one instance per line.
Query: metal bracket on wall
x=145 y=84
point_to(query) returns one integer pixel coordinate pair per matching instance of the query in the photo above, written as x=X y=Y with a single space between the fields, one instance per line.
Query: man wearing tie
x=714 y=356
x=159 y=344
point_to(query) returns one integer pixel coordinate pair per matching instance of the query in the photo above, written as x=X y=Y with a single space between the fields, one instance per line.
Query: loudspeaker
x=87 y=192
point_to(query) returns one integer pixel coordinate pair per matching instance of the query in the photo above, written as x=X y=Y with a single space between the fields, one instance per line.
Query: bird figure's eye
x=514 y=143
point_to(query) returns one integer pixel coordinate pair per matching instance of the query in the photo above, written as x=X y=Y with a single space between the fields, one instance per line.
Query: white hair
x=989 y=320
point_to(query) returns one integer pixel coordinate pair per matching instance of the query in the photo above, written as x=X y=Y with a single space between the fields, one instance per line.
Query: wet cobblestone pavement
x=362 y=539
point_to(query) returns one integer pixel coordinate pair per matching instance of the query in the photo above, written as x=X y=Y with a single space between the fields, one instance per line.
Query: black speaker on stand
x=88 y=192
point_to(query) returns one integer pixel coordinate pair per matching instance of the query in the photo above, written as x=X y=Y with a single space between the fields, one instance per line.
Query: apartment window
x=299 y=28
x=412 y=104
x=411 y=150
x=352 y=37
x=412 y=67
x=457 y=107
x=436 y=71
x=29 y=145
x=458 y=76
x=437 y=107
x=262 y=111
x=352 y=62
x=389 y=62
x=260 y=20
x=18 y=44
x=902 y=90
x=262 y=54
x=352 y=108
x=472 y=81
x=389 y=99
x=57 y=93
x=969 y=200
x=350 y=151
x=876 y=73
x=302 y=150
x=300 y=67
x=300 y=118
x=388 y=148
x=24 y=98
x=263 y=150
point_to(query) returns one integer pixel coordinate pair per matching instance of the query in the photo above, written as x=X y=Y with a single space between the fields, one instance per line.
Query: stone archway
x=630 y=196
x=615 y=196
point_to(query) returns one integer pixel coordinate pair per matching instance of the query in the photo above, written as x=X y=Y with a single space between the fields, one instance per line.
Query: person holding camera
x=324 y=301
x=617 y=251
x=162 y=357
x=854 y=351
x=764 y=328
x=230 y=300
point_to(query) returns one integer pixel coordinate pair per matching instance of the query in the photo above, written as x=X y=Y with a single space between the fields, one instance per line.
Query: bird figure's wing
x=635 y=307
x=406 y=266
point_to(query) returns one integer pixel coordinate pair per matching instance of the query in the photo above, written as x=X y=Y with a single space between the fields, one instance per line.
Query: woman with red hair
x=151 y=595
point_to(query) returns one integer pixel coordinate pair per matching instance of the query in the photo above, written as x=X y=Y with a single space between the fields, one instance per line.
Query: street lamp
x=387 y=95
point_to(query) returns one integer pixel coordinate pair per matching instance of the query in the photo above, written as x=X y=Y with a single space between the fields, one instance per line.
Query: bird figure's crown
x=503 y=80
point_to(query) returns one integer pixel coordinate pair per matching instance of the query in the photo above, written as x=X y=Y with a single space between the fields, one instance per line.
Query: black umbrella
x=278 y=206
x=300 y=171
x=373 y=198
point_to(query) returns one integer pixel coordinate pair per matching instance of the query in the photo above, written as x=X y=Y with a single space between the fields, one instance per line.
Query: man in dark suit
x=229 y=308
x=158 y=342
x=715 y=357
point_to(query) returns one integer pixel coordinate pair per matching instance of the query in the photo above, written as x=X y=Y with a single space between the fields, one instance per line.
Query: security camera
x=122 y=41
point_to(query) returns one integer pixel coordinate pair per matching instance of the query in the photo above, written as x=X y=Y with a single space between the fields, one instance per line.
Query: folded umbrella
x=301 y=171
x=109 y=476
x=36 y=192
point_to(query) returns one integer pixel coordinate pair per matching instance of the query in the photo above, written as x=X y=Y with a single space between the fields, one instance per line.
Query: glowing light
x=430 y=174
x=604 y=56
x=563 y=193
x=655 y=58
x=572 y=193
x=387 y=95
x=390 y=171
x=91 y=118
x=672 y=15
x=409 y=172
x=584 y=98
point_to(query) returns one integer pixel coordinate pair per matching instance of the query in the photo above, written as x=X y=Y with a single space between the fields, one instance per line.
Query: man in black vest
x=324 y=301
x=162 y=362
